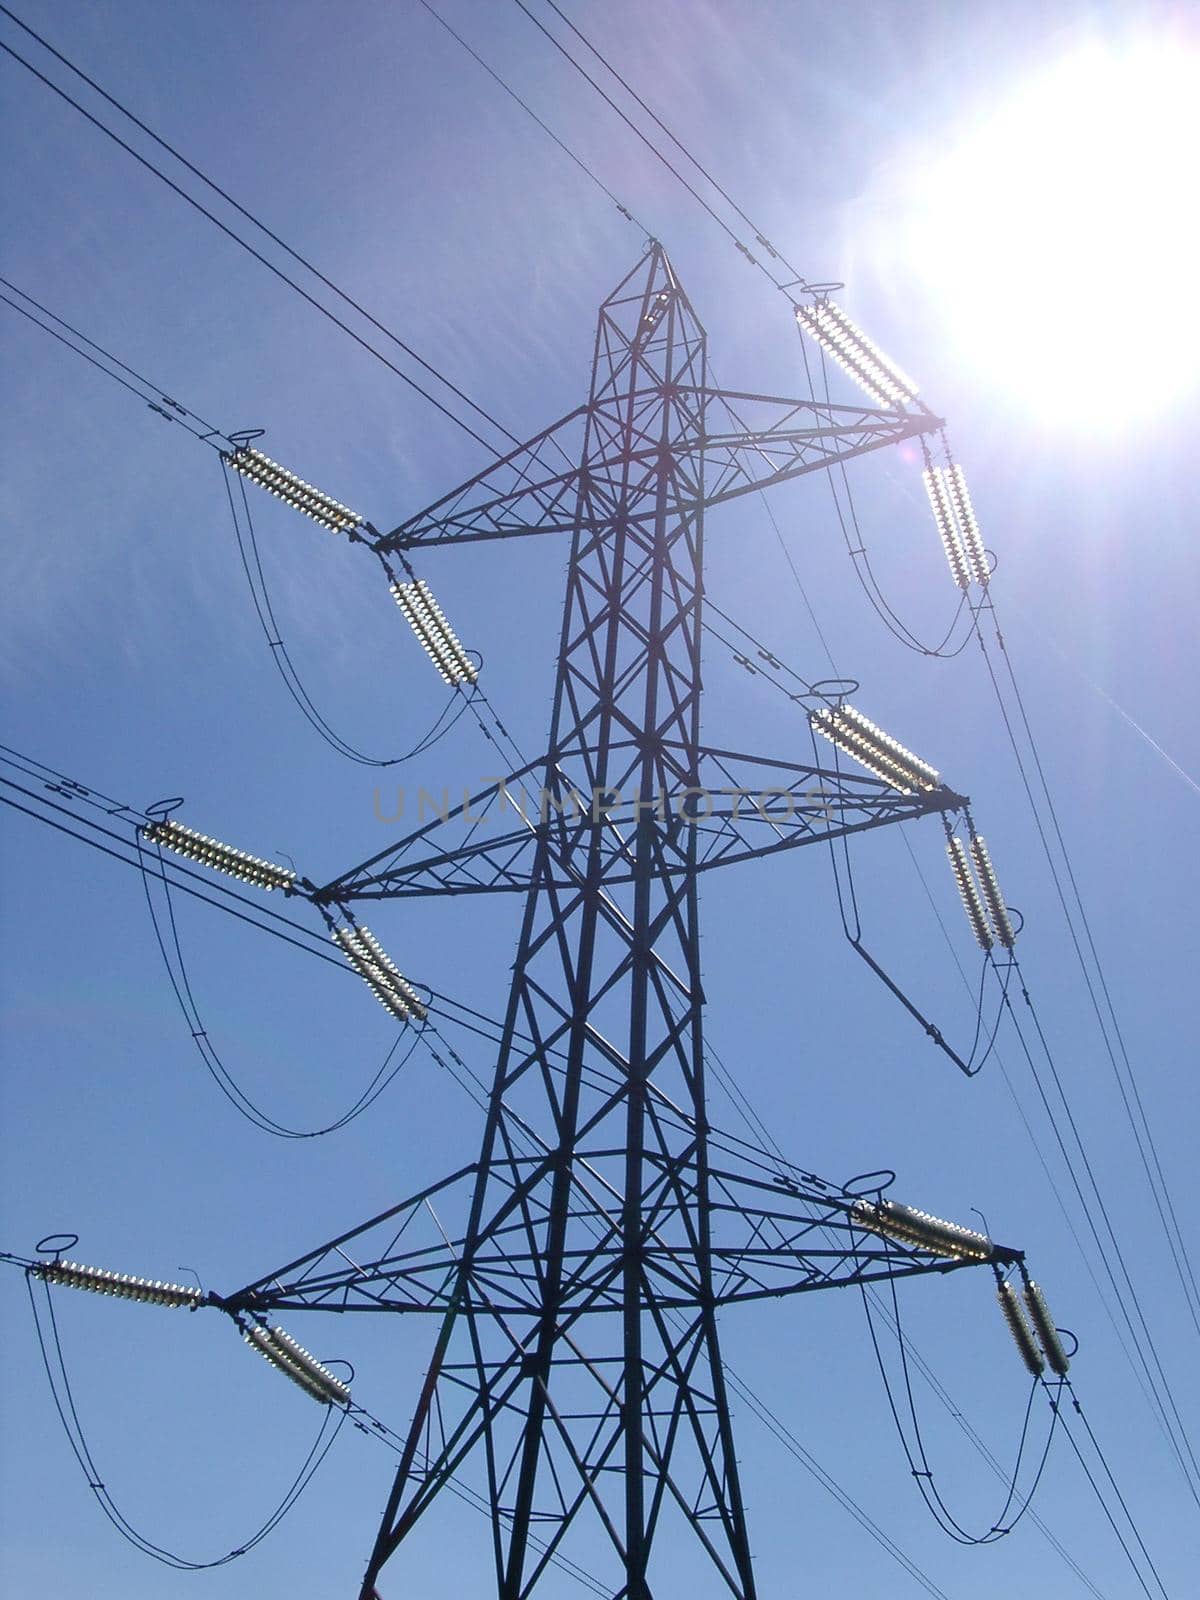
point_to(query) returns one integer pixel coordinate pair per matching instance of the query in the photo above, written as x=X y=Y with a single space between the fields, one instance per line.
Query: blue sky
x=132 y=660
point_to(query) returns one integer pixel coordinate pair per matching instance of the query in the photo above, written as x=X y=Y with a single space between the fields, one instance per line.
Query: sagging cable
x=293 y=490
x=185 y=841
x=100 y=1280
x=295 y=1362
x=54 y=1362
x=934 y=1032
x=833 y=330
x=891 y=1220
x=918 y=1459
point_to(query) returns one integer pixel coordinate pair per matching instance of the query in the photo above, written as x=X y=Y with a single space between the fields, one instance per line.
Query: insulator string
x=251 y=562
x=177 y=973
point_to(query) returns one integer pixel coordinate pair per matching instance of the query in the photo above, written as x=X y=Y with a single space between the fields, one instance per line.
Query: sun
x=1060 y=237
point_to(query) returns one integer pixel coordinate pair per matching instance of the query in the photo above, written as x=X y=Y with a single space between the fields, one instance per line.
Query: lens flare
x=1058 y=239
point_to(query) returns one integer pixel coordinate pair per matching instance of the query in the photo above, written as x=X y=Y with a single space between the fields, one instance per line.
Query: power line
x=1143 y=1135
x=251 y=562
x=257 y=254
x=522 y=8
x=1112 y=1521
x=208 y=433
x=1164 y=1205
x=860 y=559
x=1047 y=638
x=478 y=1094
x=787 y=556
x=100 y=367
x=745 y=1108
x=127 y=856
x=1180 y=1445
x=1044 y=1163
x=1156 y=1176
x=1160 y=1388
x=1163 y=1202
x=572 y=155
x=251 y=217
x=1149 y=1375
x=857 y=550
x=923 y=1475
x=797 y=280
x=247 y=542
x=1079 y=1411
x=64 y=1404
x=181 y=986
x=1163 y=1406
x=629 y=123
x=768 y=656
x=1181 y=1259
x=1165 y=1421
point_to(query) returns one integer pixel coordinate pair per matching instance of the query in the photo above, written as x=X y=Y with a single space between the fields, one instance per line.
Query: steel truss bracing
x=776 y=805
x=576 y=1364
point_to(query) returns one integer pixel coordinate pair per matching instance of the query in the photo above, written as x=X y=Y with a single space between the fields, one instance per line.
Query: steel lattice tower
x=605 y=1223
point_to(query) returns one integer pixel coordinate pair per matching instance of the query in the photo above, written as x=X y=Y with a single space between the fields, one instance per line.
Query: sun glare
x=1060 y=236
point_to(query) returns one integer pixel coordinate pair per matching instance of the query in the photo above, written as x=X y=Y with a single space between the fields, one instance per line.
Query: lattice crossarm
x=783 y=1233
x=518 y=494
x=500 y=865
x=493 y=820
x=768 y=439
x=785 y=438
x=374 y=1288
x=333 y=1255
x=873 y=1267
x=747 y=806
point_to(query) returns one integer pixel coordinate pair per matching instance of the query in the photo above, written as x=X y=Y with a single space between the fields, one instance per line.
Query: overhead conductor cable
x=301 y=496
x=438 y=639
x=185 y=841
x=100 y=1280
x=855 y=354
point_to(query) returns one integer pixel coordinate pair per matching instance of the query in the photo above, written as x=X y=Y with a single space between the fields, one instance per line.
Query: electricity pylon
x=604 y=1225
